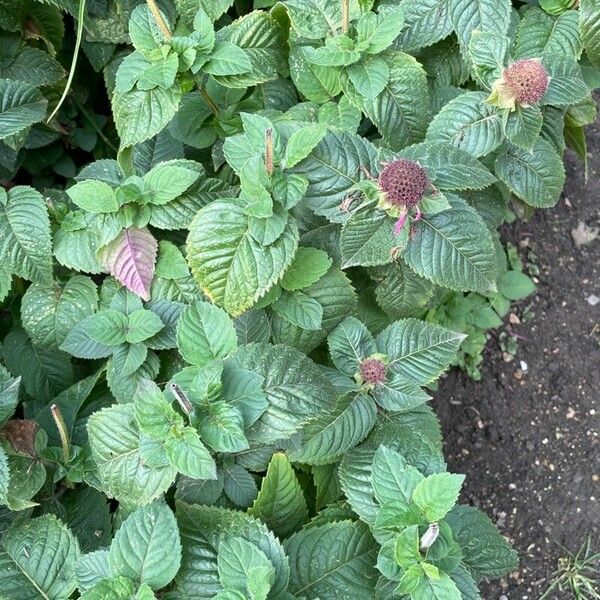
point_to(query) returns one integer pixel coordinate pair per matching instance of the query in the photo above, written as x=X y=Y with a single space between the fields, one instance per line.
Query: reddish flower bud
x=526 y=80
x=372 y=371
x=403 y=182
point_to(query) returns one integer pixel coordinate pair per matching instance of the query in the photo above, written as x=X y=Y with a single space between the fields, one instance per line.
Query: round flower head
x=526 y=80
x=372 y=371
x=403 y=182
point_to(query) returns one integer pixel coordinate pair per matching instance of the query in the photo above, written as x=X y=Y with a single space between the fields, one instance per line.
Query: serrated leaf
x=537 y=177
x=141 y=114
x=566 y=85
x=50 y=312
x=426 y=22
x=108 y=327
x=401 y=111
x=448 y=167
x=539 y=33
x=21 y=105
x=280 y=503
x=369 y=77
x=308 y=266
x=121 y=470
x=437 y=494
x=328 y=437
x=301 y=143
x=589 y=16
x=25 y=242
x=486 y=553
x=130 y=259
x=294 y=386
x=245 y=568
x=420 y=351
x=146 y=548
x=94 y=196
x=239 y=486
x=333 y=168
x=232 y=269
x=349 y=344
x=346 y=570
x=479 y=15
x=201 y=529
x=37 y=559
x=454 y=249
x=393 y=478
x=299 y=309
x=468 y=123
x=167 y=181
x=205 y=333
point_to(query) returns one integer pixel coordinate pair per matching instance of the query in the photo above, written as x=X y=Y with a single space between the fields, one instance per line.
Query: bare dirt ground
x=529 y=440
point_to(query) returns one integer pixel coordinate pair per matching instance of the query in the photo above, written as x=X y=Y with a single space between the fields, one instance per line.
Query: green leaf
x=21 y=105
x=333 y=168
x=429 y=584
x=369 y=77
x=261 y=38
x=154 y=414
x=379 y=31
x=479 y=15
x=346 y=570
x=589 y=16
x=146 y=548
x=427 y=22
x=91 y=568
x=523 y=126
x=222 y=425
x=302 y=143
x=120 y=468
x=239 y=486
x=401 y=111
x=541 y=34
x=45 y=372
x=141 y=114
x=308 y=266
x=109 y=327
x=295 y=388
x=95 y=196
x=144 y=32
x=566 y=85
x=167 y=181
x=9 y=395
x=454 y=249
x=420 y=351
x=228 y=59
x=232 y=269
x=537 y=177
x=393 y=479
x=280 y=504
x=349 y=344
x=299 y=309
x=37 y=559
x=25 y=242
x=437 y=494
x=368 y=238
x=327 y=438
x=448 y=167
x=141 y=325
x=336 y=295
x=205 y=333
x=486 y=552
x=202 y=533
x=515 y=285
x=245 y=567
x=469 y=123
x=49 y=312
x=317 y=83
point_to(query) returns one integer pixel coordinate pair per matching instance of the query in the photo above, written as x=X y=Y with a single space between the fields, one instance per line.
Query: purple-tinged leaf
x=130 y=259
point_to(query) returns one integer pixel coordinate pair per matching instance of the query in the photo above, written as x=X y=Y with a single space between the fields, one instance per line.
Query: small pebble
x=593 y=300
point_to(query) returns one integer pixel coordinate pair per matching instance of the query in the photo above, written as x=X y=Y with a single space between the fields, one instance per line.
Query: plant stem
x=62 y=431
x=211 y=103
x=95 y=125
x=182 y=399
x=269 y=151
x=159 y=19
x=345 y=16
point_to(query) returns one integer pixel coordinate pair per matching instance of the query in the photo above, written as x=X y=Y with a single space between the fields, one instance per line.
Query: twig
x=159 y=19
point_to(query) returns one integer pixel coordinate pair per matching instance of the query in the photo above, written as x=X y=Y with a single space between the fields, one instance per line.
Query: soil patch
x=528 y=438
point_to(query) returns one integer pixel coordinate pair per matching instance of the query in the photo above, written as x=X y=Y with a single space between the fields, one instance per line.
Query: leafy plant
x=237 y=245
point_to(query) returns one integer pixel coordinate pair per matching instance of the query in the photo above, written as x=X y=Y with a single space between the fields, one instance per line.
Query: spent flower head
x=523 y=83
x=372 y=370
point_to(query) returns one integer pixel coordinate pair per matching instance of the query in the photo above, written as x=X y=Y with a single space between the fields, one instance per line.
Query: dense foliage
x=234 y=255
